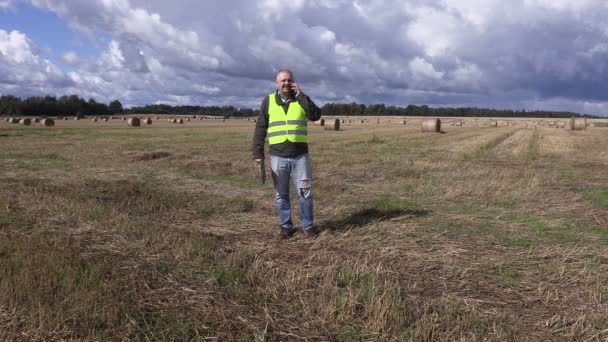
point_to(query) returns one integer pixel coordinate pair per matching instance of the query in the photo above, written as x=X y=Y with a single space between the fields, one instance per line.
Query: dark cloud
x=484 y=53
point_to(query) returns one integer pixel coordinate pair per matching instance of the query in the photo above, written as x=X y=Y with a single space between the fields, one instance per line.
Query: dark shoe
x=311 y=233
x=286 y=233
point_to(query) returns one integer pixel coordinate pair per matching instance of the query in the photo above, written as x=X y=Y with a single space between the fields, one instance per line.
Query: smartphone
x=292 y=92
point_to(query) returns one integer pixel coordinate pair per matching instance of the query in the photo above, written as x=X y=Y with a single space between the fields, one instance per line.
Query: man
x=283 y=118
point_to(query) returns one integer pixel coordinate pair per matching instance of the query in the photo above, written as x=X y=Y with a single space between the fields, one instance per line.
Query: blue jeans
x=299 y=169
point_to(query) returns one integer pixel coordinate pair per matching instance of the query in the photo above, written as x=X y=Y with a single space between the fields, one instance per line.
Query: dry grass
x=164 y=233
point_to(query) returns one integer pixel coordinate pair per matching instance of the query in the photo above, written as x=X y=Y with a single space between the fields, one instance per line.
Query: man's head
x=284 y=81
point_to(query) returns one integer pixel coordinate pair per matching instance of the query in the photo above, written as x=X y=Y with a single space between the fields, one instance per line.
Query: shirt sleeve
x=261 y=129
x=313 y=113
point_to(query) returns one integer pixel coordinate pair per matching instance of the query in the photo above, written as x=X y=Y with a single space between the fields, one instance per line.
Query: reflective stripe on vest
x=286 y=126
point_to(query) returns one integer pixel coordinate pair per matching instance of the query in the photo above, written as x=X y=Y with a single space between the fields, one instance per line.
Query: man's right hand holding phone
x=295 y=89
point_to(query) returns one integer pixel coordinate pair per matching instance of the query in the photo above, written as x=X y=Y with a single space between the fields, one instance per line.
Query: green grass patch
x=211 y=205
x=394 y=203
x=228 y=276
x=11 y=156
x=598 y=196
x=228 y=179
x=136 y=197
x=483 y=150
x=529 y=220
x=165 y=326
x=94 y=213
x=474 y=211
x=374 y=140
x=532 y=150
x=567 y=172
x=350 y=333
x=350 y=278
x=518 y=242
x=458 y=229
x=593 y=230
x=540 y=230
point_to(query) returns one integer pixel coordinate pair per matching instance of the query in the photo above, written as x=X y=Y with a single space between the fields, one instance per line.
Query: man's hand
x=262 y=169
x=296 y=88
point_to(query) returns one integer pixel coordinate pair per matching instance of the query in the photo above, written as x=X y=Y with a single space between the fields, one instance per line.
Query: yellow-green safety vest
x=282 y=127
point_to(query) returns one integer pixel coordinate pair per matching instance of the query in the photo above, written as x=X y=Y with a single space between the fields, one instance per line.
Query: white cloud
x=6 y=4
x=438 y=52
x=21 y=66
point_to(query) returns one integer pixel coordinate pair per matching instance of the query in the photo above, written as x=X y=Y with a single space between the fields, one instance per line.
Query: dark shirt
x=288 y=148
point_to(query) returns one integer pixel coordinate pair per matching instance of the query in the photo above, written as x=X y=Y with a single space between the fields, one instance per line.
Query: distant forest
x=71 y=105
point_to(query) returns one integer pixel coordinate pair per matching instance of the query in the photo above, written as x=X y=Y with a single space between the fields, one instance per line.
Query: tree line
x=68 y=105
x=71 y=105
x=355 y=109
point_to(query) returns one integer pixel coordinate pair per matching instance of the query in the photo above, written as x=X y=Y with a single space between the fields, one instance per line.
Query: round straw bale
x=14 y=121
x=148 y=121
x=431 y=125
x=332 y=125
x=25 y=121
x=578 y=124
x=65 y=118
x=188 y=119
x=47 y=122
x=94 y=119
x=320 y=122
x=36 y=120
x=362 y=121
x=404 y=122
x=493 y=123
x=133 y=122
x=180 y=121
x=76 y=118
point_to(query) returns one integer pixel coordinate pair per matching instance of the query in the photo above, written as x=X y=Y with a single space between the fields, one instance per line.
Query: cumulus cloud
x=22 y=68
x=516 y=54
x=5 y=4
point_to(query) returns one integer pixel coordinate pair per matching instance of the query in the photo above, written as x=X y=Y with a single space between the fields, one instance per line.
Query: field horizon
x=164 y=232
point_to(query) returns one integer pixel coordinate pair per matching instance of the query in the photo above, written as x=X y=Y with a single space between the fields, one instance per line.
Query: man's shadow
x=364 y=217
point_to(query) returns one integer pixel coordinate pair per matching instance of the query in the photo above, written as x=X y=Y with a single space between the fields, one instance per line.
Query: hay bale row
x=431 y=125
x=134 y=122
x=47 y=122
x=578 y=124
x=332 y=125
x=28 y=121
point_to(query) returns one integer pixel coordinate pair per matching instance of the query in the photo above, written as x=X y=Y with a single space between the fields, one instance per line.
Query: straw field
x=164 y=232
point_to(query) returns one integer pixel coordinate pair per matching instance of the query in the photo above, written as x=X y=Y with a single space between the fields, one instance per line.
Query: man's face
x=283 y=82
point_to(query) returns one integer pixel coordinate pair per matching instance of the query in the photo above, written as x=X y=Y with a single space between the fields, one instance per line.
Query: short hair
x=284 y=70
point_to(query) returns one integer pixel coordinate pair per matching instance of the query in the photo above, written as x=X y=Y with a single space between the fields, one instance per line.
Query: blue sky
x=521 y=54
x=51 y=34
